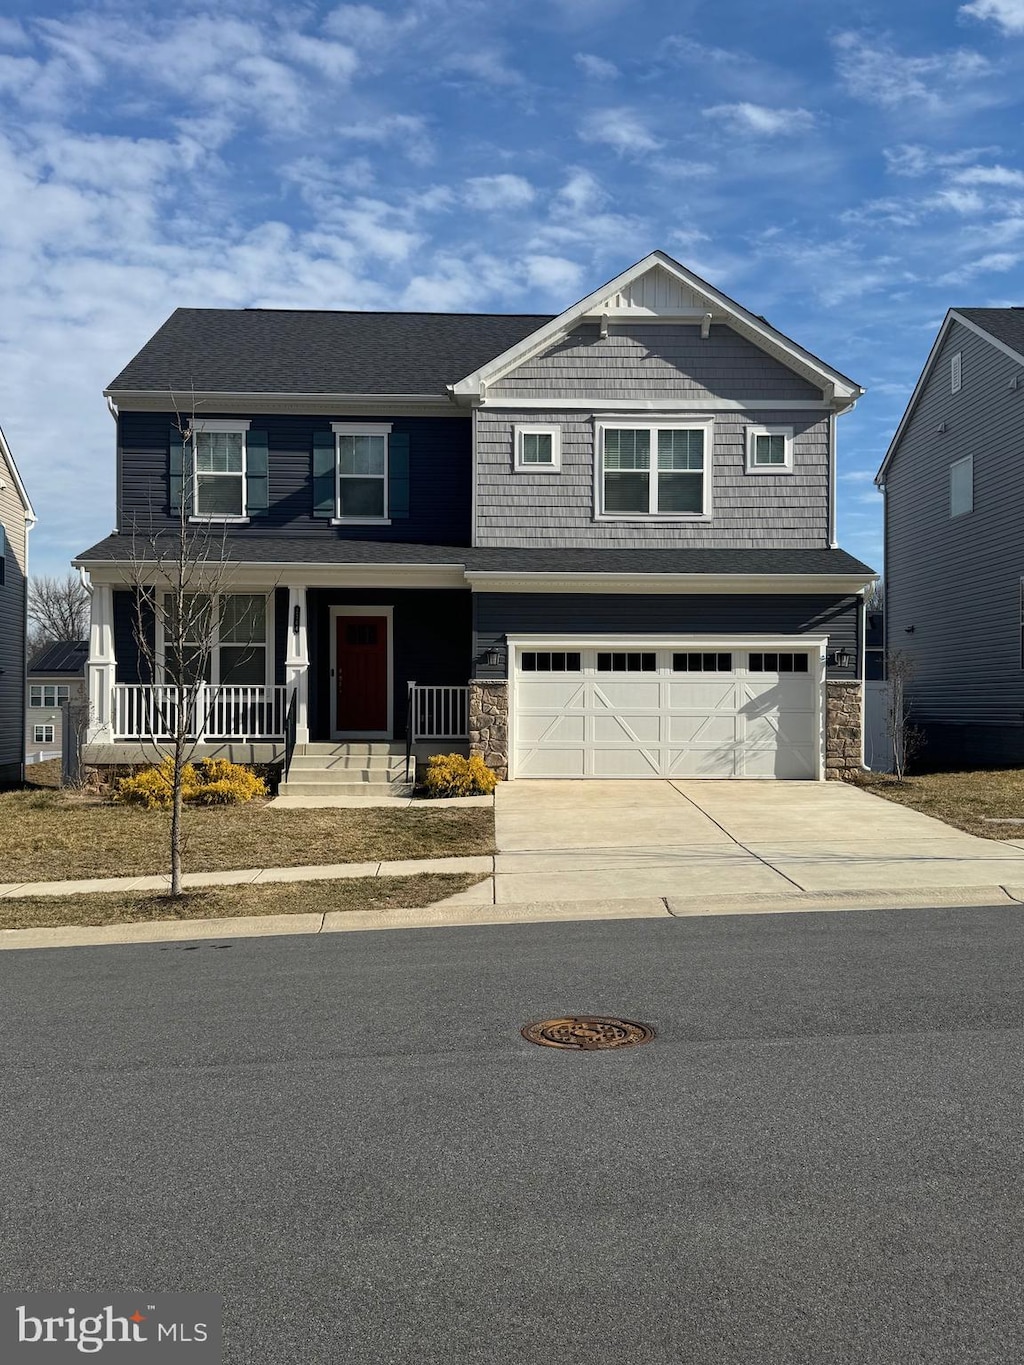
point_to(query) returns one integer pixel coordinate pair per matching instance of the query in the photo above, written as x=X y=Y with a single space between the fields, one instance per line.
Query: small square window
x=42 y=734
x=538 y=449
x=769 y=450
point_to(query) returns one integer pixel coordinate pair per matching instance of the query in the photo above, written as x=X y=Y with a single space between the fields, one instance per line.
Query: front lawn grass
x=55 y=836
x=222 y=902
x=965 y=800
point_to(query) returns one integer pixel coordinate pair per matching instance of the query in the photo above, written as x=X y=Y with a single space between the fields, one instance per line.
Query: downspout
x=112 y=409
x=833 y=461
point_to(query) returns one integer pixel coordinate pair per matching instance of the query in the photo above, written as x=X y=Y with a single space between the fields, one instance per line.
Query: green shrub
x=454 y=775
x=211 y=782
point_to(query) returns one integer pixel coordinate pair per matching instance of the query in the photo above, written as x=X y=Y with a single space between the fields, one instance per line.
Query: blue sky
x=848 y=172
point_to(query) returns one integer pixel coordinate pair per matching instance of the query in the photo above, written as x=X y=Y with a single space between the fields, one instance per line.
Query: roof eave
x=19 y=483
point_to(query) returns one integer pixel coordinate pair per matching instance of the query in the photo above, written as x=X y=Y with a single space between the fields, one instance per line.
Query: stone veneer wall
x=843 y=721
x=488 y=723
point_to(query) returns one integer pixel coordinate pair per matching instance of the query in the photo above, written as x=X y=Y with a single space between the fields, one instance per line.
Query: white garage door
x=685 y=712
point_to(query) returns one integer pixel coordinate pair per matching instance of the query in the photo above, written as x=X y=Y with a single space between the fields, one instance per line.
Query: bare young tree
x=187 y=603
x=875 y=601
x=58 y=610
x=904 y=738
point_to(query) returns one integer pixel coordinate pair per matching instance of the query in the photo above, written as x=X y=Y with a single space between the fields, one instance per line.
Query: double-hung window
x=48 y=694
x=362 y=472
x=219 y=640
x=219 y=470
x=42 y=734
x=659 y=470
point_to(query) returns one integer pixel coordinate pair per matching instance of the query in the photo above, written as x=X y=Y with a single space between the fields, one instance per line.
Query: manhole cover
x=588 y=1033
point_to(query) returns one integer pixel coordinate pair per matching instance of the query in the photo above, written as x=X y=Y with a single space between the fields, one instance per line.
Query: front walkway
x=577 y=841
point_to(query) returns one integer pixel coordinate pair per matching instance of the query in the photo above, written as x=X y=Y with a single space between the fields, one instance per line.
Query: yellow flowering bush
x=454 y=775
x=211 y=782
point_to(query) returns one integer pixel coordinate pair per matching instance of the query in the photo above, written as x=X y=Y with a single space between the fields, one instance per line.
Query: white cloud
x=12 y=34
x=621 y=129
x=557 y=275
x=756 y=118
x=994 y=262
x=1002 y=176
x=485 y=64
x=878 y=74
x=913 y=161
x=408 y=132
x=367 y=27
x=333 y=59
x=966 y=202
x=581 y=193
x=496 y=193
x=598 y=68
x=1007 y=14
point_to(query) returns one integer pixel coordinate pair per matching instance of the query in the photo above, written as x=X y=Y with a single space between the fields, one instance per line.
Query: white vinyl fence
x=877 y=728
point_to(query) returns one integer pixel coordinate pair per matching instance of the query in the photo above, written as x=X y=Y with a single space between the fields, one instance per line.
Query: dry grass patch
x=228 y=902
x=55 y=836
x=968 y=801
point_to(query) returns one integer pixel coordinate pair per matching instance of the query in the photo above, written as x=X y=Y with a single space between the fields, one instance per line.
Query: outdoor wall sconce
x=840 y=658
x=493 y=657
x=296 y=619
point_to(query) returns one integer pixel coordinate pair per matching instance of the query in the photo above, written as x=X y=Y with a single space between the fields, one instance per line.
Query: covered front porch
x=326 y=665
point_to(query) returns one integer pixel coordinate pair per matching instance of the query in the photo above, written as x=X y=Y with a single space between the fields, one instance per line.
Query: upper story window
x=48 y=694
x=769 y=450
x=361 y=471
x=219 y=465
x=538 y=449
x=956 y=372
x=657 y=469
x=961 y=486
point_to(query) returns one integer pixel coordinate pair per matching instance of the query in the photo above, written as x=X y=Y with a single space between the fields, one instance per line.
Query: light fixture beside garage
x=840 y=658
x=494 y=657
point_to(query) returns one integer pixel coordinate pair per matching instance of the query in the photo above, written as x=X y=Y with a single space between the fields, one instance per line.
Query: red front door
x=361 y=673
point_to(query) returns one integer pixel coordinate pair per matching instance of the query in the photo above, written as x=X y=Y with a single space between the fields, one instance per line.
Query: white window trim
x=602 y=424
x=38 y=738
x=360 y=429
x=268 y=644
x=956 y=371
x=966 y=461
x=539 y=429
x=202 y=426
x=753 y=432
x=42 y=689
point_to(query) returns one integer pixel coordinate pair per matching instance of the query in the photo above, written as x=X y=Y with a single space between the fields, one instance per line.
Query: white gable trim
x=947 y=322
x=5 y=451
x=837 y=387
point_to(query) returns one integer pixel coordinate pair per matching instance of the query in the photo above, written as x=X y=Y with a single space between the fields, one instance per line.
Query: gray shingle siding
x=953 y=583
x=13 y=591
x=777 y=511
x=497 y=615
x=654 y=361
x=439 y=466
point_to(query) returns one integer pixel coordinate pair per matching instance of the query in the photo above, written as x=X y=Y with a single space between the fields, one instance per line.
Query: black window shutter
x=257 y=483
x=323 y=474
x=176 y=470
x=398 y=474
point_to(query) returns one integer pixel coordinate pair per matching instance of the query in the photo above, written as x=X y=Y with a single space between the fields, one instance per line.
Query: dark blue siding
x=440 y=469
x=499 y=614
x=432 y=635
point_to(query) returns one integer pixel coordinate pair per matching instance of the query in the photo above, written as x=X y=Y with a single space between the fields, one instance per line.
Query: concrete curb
x=442 y=916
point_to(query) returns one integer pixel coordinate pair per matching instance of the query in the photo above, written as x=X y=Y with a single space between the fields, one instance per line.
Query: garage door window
x=546 y=661
x=701 y=663
x=627 y=663
x=778 y=663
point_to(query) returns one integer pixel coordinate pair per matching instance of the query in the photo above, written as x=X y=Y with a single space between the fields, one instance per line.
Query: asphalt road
x=817 y=1160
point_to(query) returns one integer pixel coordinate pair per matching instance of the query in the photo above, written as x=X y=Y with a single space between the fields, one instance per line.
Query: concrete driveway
x=567 y=841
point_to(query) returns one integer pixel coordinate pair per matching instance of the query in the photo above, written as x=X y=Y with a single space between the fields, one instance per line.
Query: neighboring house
x=874 y=646
x=56 y=677
x=16 y=519
x=600 y=544
x=954 y=568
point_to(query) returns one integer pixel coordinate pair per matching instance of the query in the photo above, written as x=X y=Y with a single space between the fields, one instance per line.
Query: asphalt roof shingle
x=259 y=350
x=271 y=549
x=1005 y=324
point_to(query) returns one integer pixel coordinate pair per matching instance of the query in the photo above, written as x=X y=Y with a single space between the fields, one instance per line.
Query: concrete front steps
x=356 y=769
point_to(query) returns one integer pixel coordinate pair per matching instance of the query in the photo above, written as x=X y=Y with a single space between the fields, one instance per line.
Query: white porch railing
x=215 y=713
x=438 y=712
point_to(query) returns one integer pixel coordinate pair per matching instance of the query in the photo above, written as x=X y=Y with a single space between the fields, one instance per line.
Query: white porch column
x=102 y=665
x=297 y=661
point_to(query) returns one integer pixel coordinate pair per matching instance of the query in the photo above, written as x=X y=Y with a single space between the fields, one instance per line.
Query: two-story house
x=600 y=544
x=954 y=568
x=16 y=519
x=56 y=679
